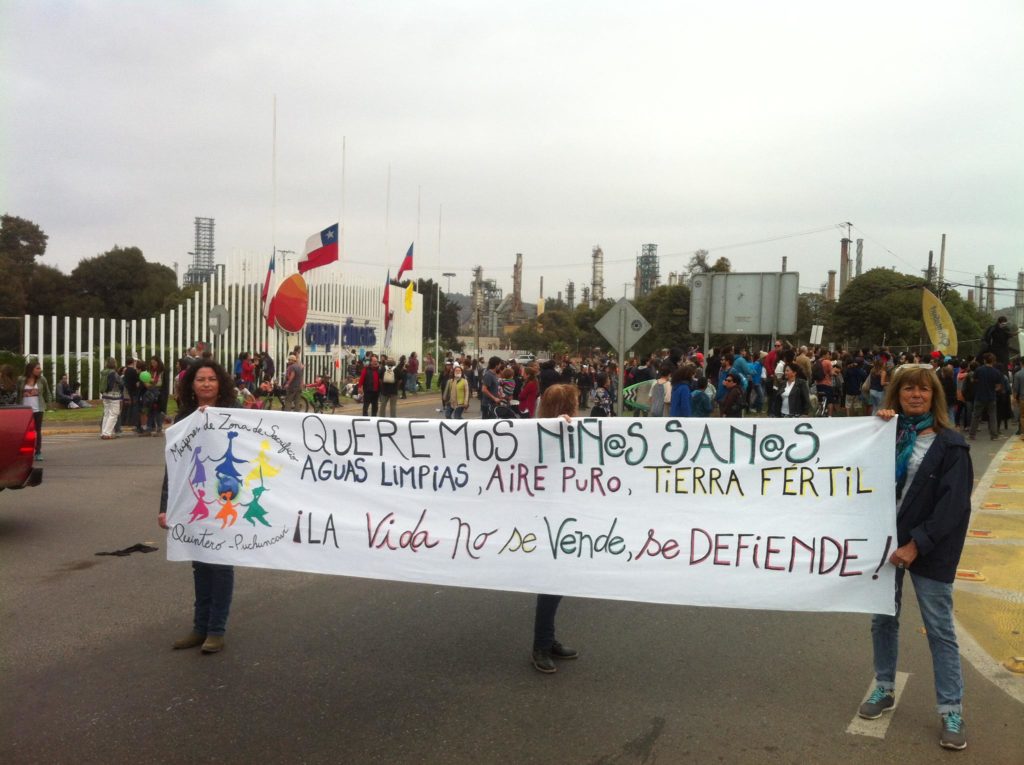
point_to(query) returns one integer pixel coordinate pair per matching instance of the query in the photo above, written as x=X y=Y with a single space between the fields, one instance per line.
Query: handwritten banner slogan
x=786 y=514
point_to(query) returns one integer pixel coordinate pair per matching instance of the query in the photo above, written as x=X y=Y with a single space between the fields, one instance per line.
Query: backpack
x=389 y=376
x=818 y=371
x=968 y=389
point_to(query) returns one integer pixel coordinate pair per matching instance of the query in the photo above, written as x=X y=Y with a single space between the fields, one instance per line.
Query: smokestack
x=830 y=295
x=970 y=296
x=542 y=288
x=860 y=257
x=991 y=289
x=844 y=264
x=942 y=260
x=785 y=259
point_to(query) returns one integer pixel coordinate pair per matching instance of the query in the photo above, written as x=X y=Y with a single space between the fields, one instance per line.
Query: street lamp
x=437 y=317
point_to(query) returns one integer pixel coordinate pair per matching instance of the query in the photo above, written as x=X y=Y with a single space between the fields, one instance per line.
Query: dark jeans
x=978 y=409
x=38 y=417
x=130 y=412
x=214 y=588
x=430 y=376
x=544 y=621
x=370 y=402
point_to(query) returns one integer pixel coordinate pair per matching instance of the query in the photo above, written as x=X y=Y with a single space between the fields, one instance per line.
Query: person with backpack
x=111 y=391
x=389 y=388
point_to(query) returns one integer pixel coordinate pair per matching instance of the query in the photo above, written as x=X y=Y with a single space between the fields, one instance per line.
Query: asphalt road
x=323 y=669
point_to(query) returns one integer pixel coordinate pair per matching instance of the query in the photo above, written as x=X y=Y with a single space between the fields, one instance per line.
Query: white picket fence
x=79 y=346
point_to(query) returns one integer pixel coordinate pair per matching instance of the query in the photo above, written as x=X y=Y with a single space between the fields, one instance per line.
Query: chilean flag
x=406 y=264
x=269 y=288
x=386 y=300
x=320 y=250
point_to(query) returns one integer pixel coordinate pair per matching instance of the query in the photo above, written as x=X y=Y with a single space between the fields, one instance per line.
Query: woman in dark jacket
x=205 y=384
x=934 y=478
x=793 y=397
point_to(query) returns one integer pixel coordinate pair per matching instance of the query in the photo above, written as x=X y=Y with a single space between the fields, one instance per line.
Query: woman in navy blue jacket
x=934 y=478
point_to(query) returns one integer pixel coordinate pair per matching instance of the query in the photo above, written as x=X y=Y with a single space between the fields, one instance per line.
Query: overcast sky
x=541 y=128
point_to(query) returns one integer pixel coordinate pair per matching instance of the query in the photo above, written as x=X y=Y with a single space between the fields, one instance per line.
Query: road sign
x=220 y=320
x=623 y=326
x=744 y=304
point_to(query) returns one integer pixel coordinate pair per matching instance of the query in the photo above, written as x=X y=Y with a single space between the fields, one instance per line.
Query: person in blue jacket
x=680 y=406
x=934 y=478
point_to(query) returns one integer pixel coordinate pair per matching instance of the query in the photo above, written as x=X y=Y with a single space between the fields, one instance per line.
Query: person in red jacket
x=369 y=386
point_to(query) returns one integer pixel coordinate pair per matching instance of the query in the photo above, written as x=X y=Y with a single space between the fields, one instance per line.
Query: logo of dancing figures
x=229 y=485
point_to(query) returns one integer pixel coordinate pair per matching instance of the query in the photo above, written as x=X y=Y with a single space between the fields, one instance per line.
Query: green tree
x=21 y=242
x=528 y=338
x=121 y=284
x=722 y=266
x=698 y=263
x=667 y=309
x=449 y=318
x=883 y=307
x=813 y=308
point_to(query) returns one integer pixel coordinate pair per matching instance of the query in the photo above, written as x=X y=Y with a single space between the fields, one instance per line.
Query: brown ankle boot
x=213 y=644
x=189 y=641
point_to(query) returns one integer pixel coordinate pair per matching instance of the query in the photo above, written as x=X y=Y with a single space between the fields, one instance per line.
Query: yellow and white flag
x=408 y=298
x=939 y=324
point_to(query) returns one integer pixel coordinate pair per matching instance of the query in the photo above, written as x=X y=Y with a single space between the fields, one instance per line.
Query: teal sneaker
x=954 y=732
x=880 y=700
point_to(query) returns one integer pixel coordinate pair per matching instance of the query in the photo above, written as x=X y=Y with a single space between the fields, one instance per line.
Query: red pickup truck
x=17 y=448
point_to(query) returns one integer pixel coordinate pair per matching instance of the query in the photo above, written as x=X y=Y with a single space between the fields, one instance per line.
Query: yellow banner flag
x=939 y=324
x=408 y=298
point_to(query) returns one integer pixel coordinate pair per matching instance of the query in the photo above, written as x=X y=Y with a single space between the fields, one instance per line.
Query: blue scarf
x=907 y=429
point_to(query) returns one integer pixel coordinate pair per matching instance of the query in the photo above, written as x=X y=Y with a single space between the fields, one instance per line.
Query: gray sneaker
x=880 y=700
x=954 y=732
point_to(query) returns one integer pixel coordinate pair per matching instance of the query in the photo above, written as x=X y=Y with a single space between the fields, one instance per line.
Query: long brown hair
x=925 y=377
x=558 y=400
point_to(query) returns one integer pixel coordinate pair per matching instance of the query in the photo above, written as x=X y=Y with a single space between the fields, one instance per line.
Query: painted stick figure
x=256 y=511
x=263 y=468
x=200 y=511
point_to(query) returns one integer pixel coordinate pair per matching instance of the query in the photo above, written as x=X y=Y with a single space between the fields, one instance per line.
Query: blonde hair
x=558 y=400
x=924 y=376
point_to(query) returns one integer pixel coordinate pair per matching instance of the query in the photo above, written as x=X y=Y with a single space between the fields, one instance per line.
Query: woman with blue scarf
x=934 y=477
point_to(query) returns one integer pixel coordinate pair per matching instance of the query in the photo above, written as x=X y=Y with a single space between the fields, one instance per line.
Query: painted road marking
x=877 y=728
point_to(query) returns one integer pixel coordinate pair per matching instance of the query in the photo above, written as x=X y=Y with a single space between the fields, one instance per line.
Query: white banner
x=791 y=514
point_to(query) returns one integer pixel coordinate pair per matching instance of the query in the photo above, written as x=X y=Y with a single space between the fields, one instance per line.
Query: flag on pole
x=386 y=300
x=269 y=288
x=406 y=264
x=390 y=331
x=320 y=249
x=408 y=297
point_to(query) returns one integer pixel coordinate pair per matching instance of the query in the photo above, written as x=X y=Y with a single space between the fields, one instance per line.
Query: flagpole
x=341 y=227
x=387 y=214
x=271 y=337
x=437 y=307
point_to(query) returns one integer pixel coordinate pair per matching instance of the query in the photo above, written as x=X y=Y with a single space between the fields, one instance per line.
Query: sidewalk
x=989 y=601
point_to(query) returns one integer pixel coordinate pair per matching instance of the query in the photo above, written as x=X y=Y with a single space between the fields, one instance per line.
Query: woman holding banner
x=560 y=400
x=934 y=477
x=205 y=384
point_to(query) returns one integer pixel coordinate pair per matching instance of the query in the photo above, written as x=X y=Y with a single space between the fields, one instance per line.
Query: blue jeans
x=544 y=621
x=935 y=599
x=214 y=587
